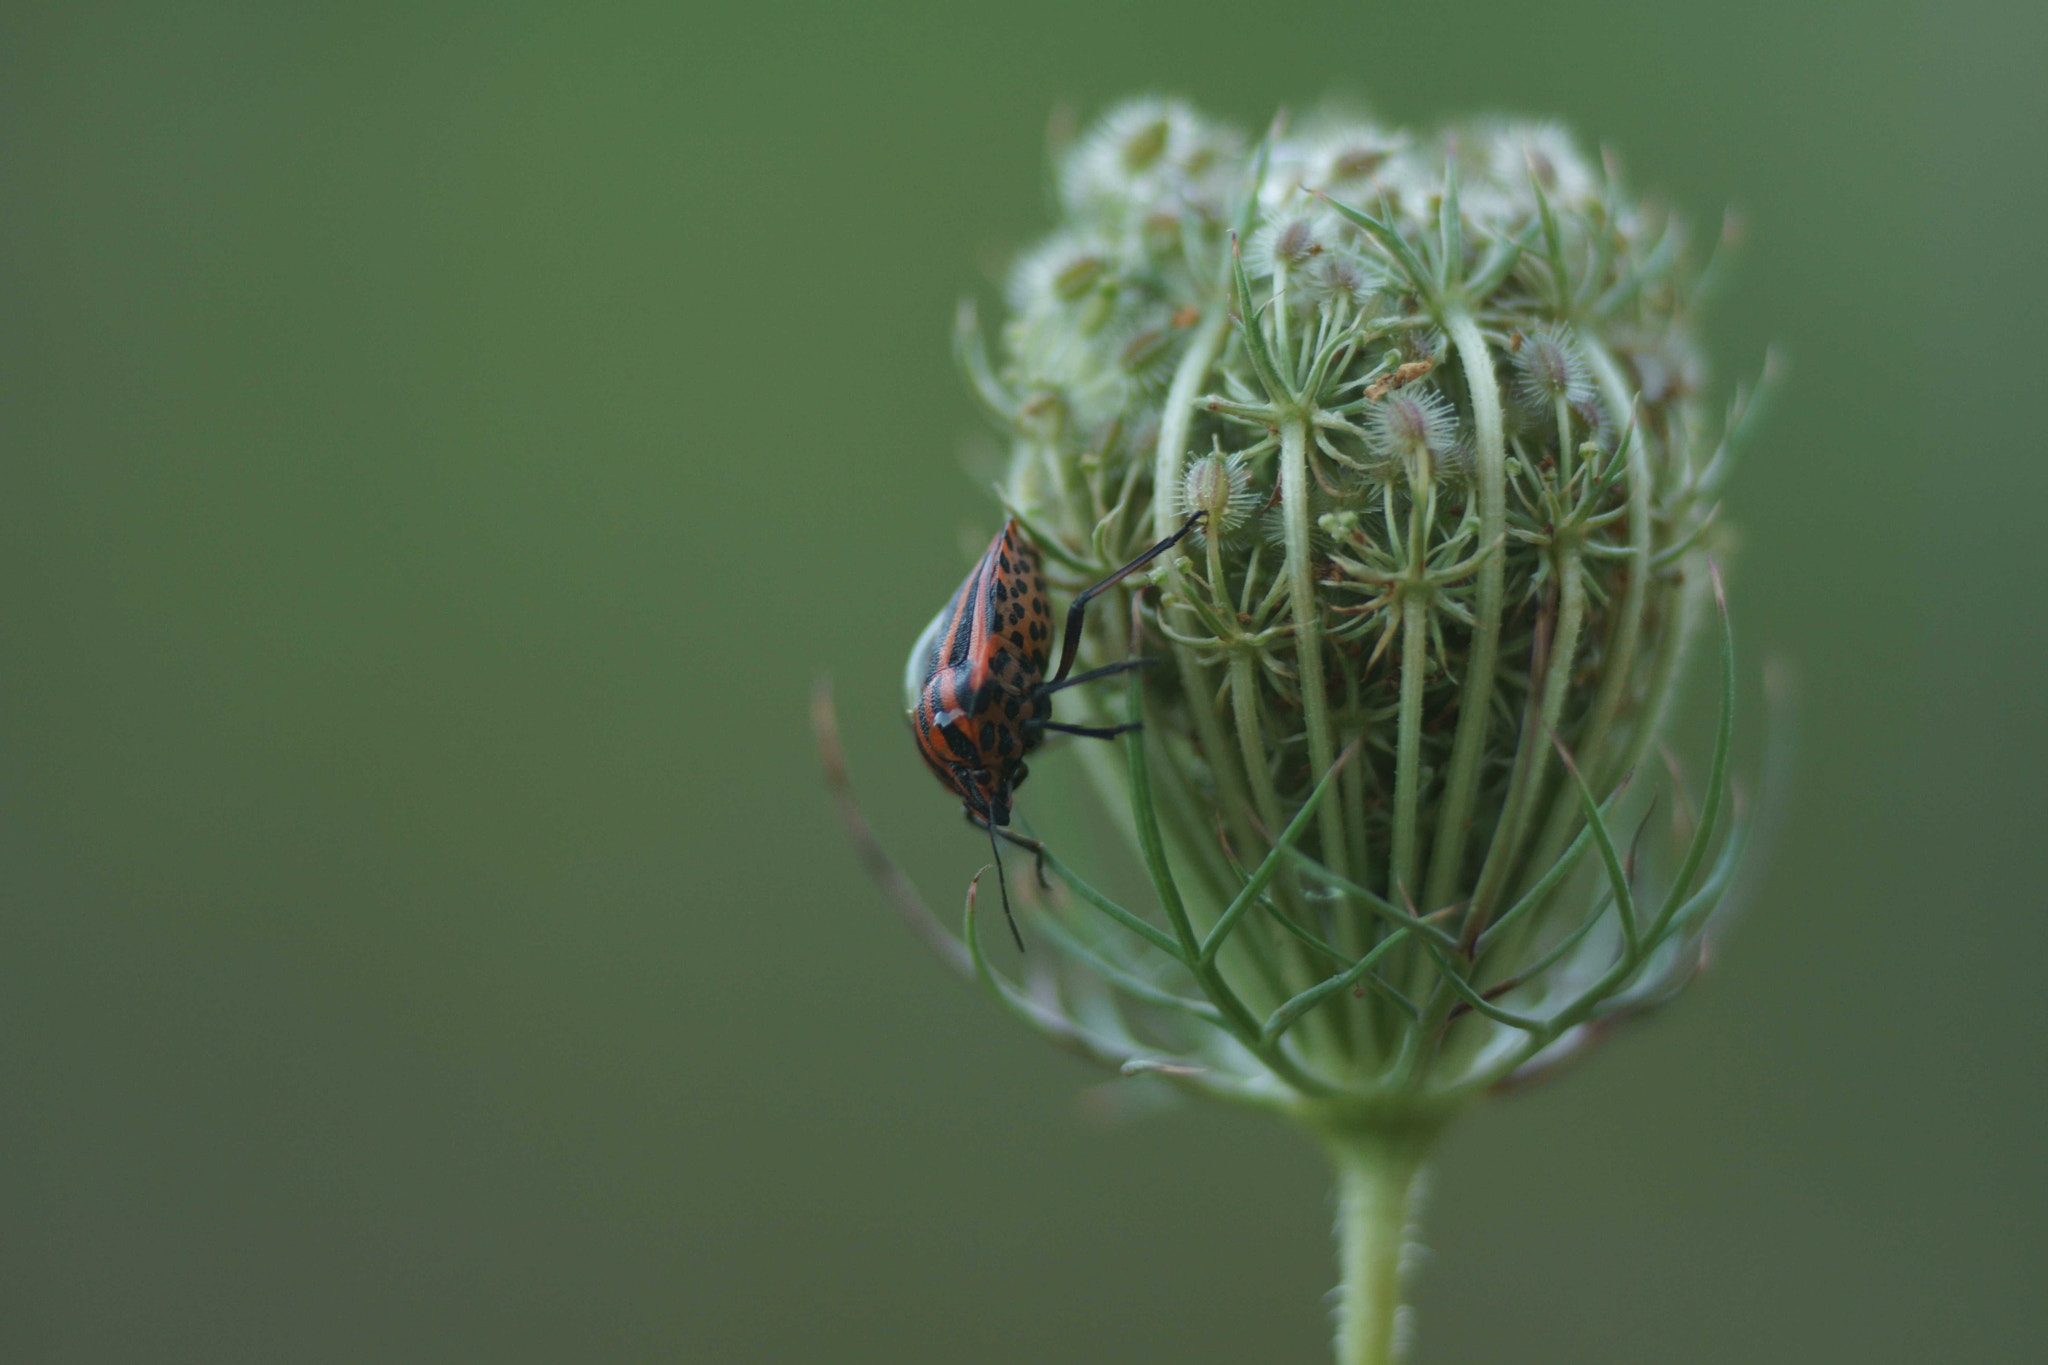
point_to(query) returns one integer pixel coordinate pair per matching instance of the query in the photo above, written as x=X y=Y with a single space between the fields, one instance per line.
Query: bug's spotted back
x=975 y=676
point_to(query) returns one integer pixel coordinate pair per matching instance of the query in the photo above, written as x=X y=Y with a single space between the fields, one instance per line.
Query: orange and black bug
x=979 y=698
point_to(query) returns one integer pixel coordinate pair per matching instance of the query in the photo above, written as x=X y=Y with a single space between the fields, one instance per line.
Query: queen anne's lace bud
x=1436 y=399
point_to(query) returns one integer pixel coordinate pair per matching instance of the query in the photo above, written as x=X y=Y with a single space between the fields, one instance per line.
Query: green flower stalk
x=1439 y=401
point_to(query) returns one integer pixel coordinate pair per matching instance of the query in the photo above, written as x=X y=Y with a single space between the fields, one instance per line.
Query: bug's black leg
x=1125 y=666
x=1092 y=731
x=1070 y=640
x=1010 y=836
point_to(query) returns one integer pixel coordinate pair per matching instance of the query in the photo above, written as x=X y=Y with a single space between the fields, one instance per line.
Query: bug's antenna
x=1002 y=882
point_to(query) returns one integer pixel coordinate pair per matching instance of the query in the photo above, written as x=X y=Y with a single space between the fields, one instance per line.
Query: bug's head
x=986 y=793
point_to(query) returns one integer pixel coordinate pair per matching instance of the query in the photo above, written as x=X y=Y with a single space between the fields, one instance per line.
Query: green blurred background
x=439 y=446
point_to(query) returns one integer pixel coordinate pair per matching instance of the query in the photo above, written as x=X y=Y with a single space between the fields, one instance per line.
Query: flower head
x=1403 y=432
x=1433 y=399
x=1431 y=394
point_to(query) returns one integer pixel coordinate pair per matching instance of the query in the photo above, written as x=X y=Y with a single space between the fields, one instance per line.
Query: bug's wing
x=923 y=661
x=948 y=662
x=943 y=675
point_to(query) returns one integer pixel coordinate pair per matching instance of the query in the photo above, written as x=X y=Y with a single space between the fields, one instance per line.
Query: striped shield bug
x=979 y=696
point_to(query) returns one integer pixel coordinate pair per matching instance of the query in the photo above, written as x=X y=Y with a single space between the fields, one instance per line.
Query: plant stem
x=1475 y=703
x=1176 y=416
x=1379 y=1176
x=1532 y=759
x=1619 y=651
x=1308 y=634
x=1415 y=609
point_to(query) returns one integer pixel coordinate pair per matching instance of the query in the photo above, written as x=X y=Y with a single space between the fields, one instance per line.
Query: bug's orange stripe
x=959 y=666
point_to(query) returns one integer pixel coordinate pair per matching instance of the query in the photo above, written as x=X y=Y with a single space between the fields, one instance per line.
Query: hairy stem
x=1378 y=1187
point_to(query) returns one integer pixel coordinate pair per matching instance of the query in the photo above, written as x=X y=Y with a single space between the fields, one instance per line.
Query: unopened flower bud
x=1290 y=245
x=1220 y=486
x=1448 y=574
x=1552 y=367
x=1412 y=430
x=1346 y=281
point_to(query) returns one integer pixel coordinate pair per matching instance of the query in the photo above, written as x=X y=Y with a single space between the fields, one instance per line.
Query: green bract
x=1440 y=398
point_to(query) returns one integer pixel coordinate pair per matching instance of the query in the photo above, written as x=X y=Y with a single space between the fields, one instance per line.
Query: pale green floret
x=1518 y=152
x=1220 y=487
x=1150 y=157
x=1342 y=281
x=1553 y=367
x=1289 y=245
x=1411 y=432
x=1340 y=156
